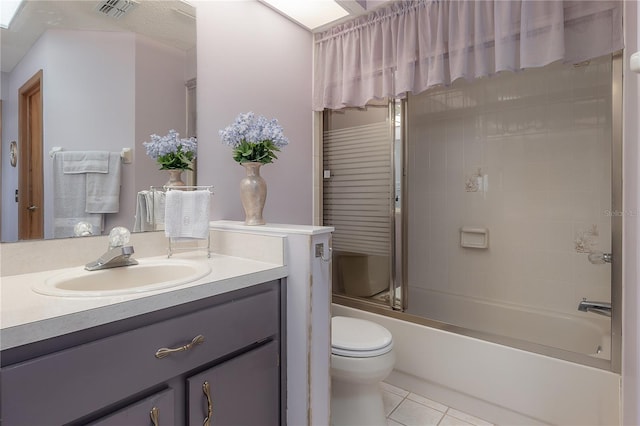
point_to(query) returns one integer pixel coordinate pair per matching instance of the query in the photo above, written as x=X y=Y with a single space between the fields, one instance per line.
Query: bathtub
x=499 y=383
x=583 y=333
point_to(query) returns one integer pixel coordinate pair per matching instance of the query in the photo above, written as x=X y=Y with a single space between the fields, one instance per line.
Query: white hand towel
x=85 y=162
x=187 y=214
x=103 y=189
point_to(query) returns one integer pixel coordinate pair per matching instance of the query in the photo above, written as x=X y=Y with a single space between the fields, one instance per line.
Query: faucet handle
x=118 y=237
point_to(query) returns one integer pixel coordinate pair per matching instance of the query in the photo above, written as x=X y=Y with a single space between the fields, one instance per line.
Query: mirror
x=107 y=83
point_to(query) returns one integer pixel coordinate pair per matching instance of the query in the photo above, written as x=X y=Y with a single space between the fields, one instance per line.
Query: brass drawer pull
x=206 y=389
x=155 y=416
x=163 y=352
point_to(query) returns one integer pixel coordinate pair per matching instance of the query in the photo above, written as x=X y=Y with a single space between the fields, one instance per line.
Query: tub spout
x=601 y=308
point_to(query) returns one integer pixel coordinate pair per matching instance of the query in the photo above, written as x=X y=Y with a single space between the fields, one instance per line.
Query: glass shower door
x=359 y=201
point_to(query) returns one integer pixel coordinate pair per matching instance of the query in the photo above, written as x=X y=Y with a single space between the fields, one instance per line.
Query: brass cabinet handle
x=32 y=208
x=206 y=389
x=163 y=352
x=155 y=416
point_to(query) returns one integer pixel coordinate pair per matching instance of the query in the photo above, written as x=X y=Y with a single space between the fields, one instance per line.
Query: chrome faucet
x=113 y=258
x=118 y=253
x=601 y=308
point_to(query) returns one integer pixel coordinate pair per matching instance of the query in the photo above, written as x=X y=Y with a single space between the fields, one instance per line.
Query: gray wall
x=252 y=59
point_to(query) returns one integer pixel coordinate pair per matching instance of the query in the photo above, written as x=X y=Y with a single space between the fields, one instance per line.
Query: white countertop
x=27 y=317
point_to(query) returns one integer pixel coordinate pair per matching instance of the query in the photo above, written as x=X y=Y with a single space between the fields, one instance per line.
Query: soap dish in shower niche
x=474 y=237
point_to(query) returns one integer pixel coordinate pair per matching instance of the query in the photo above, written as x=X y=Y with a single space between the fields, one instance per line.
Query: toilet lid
x=359 y=338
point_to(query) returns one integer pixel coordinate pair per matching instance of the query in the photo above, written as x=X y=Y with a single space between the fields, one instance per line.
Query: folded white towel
x=187 y=214
x=103 y=189
x=156 y=207
x=149 y=211
x=142 y=222
x=85 y=162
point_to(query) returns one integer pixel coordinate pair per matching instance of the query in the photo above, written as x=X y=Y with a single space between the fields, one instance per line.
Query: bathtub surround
x=541 y=142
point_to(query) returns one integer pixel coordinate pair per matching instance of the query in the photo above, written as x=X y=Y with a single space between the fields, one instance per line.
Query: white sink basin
x=148 y=275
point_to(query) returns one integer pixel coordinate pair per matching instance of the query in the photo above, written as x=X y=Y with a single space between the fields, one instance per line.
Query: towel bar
x=186 y=244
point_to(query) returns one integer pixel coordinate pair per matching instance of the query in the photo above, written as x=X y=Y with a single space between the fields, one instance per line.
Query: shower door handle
x=599 y=258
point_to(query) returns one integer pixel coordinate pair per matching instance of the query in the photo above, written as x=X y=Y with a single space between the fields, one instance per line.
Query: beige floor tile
x=390 y=401
x=452 y=421
x=411 y=413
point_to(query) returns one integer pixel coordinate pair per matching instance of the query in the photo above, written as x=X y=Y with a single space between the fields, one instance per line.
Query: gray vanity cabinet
x=112 y=376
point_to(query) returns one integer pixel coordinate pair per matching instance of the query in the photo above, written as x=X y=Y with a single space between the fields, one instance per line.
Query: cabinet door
x=156 y=410
x=243 y=391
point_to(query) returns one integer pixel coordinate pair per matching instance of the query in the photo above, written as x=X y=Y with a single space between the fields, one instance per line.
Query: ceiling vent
x=116 y=8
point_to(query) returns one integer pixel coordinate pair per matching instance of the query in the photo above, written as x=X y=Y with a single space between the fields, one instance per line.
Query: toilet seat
x=357 y=338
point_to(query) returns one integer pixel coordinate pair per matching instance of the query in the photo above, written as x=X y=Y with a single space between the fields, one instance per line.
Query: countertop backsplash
x=42 y=255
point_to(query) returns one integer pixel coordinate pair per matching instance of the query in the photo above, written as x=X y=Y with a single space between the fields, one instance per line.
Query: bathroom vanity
x=210 y=358
x=201 y=350
x=252 y=333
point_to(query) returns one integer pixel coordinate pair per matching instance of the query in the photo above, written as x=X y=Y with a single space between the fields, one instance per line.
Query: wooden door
x=30 y=180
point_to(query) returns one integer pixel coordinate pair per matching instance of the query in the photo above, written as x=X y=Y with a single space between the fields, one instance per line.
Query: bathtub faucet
x=601 y=308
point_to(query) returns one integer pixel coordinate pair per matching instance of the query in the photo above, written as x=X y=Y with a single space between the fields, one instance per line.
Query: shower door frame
x=615 y=363
x=616 y=206
x=398 y=262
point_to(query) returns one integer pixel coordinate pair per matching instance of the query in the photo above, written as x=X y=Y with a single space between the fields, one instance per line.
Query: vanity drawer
x=72 y=383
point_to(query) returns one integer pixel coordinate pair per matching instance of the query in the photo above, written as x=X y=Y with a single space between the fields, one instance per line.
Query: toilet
x=361 y=357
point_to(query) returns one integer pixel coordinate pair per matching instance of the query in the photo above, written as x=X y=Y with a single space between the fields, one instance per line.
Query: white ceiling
x=171 y=22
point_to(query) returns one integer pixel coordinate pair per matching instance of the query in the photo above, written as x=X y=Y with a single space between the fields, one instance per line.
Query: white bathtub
x=499 y=383
x=584 y=333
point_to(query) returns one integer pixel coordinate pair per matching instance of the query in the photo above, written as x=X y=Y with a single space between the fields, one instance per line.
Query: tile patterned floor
x=404 y=408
